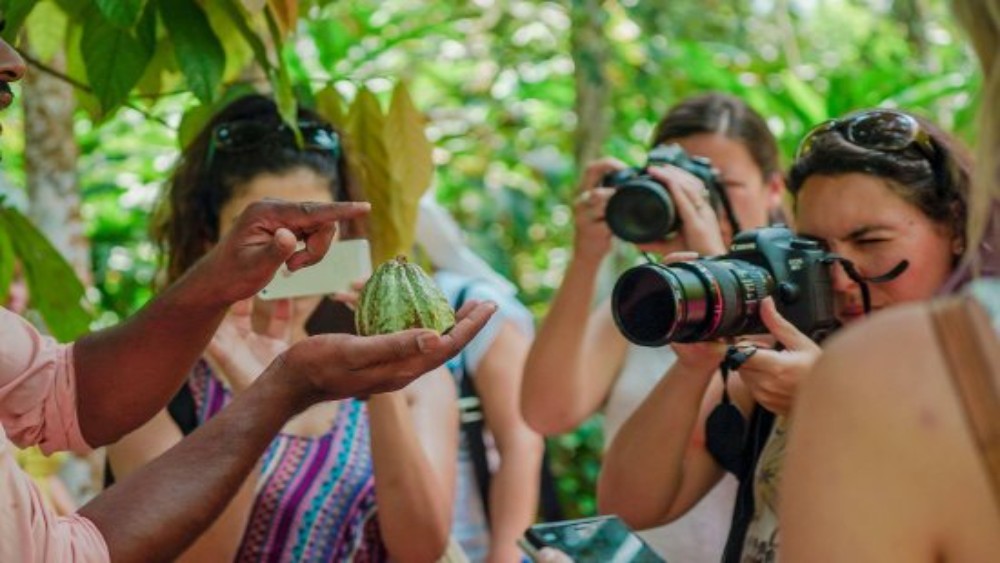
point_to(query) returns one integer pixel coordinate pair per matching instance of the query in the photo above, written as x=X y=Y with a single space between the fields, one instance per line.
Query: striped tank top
x=315 y=497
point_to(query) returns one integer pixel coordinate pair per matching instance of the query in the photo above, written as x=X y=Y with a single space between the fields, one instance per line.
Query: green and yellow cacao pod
x=399 y=296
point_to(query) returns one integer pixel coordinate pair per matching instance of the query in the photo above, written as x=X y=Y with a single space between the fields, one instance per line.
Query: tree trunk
x=50 y=159
x=913 y=15
x=589 y=45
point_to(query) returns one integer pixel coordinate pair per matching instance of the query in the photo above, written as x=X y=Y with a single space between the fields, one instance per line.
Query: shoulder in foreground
x=890 y=342
x=880 y=368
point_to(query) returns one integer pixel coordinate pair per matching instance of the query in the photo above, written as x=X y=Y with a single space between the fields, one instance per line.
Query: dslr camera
x=642 y=210
x=710 y=298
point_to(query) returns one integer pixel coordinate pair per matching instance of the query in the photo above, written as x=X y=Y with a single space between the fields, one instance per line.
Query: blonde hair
x=981 y=19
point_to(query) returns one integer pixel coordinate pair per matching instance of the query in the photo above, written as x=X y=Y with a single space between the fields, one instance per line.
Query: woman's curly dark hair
x=186 y=223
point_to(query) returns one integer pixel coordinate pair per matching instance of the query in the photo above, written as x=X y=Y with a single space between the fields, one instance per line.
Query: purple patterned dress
x=315 y=498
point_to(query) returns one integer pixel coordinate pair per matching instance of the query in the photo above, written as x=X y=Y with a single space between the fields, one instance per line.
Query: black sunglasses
x=880 y=129
x=249 y=135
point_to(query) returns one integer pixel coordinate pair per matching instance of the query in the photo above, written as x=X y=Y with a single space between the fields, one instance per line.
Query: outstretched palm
x=239 y=353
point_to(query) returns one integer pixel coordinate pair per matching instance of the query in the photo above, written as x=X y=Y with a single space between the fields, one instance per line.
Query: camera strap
x=725 y=428
x=727 y=207
x=853 y=273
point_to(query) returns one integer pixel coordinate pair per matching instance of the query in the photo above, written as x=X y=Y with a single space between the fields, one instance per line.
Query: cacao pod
x=399 y=296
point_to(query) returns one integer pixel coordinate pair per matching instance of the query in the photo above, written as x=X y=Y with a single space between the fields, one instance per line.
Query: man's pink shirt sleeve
x=37 y=388
x=38 y=406
x=29 y=531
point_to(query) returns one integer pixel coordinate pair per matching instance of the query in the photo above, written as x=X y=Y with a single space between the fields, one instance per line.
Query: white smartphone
x=345 y=262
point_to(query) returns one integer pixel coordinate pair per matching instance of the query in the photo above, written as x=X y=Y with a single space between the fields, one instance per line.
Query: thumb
x=282 y=244
x=780 y=328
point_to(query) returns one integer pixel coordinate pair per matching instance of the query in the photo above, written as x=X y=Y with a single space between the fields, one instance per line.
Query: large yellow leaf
x=411 y=159
x=330 y=106
x=395 y=159
x=366 y=130
x=253 y=5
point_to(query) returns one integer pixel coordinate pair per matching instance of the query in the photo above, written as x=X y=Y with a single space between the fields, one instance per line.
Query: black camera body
x=710 y=298
x=642 y=210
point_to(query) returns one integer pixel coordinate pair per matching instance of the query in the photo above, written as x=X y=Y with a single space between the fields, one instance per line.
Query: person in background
x=581 y=364
x=346 y=480
x=499 y=458
x=885 y=191
x=886 y=461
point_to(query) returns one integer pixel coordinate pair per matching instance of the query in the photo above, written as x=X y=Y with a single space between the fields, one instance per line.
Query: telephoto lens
x=709 y=298
x=656 y=304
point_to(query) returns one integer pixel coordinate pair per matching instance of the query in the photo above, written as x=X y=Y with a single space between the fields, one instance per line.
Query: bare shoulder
x=881 y=465
x=886 y=342
x=880 y=367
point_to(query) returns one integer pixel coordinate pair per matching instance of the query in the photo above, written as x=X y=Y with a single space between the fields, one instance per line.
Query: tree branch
x=84 y=88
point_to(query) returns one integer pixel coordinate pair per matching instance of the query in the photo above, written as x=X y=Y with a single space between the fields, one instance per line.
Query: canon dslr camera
x=642 y=210
x=705 y=299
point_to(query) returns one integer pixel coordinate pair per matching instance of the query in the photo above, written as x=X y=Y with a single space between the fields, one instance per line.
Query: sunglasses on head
x=882 y=130
x=248 y=135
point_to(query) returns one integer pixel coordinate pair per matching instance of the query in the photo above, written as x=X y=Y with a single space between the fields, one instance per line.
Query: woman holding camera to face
x=580 y=363
x=893 y=417
x=345 y=480
x=884 y=190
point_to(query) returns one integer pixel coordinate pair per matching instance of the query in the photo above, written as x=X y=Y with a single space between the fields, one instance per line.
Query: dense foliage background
x=517 y=94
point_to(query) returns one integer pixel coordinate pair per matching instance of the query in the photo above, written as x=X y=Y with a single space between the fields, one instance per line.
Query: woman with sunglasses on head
x=886 y=192
x=580 y=363
x=894 y=456
x=347 y=480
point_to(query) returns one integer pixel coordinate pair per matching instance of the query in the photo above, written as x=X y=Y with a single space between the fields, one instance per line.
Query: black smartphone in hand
x=599 y=539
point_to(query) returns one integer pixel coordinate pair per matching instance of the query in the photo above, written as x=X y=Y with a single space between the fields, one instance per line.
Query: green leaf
x=199 y=52
x=238 y=51
x=332 y=38
x=806 y=102
x=194 y=120
x=122 y=13
x=162 y=64
x=15 y=13
x=55 y=290
x=77 y=70
x=46 y=30
x=281 y=82
x=115 y=59
x=76 y=9
x=241 y=20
